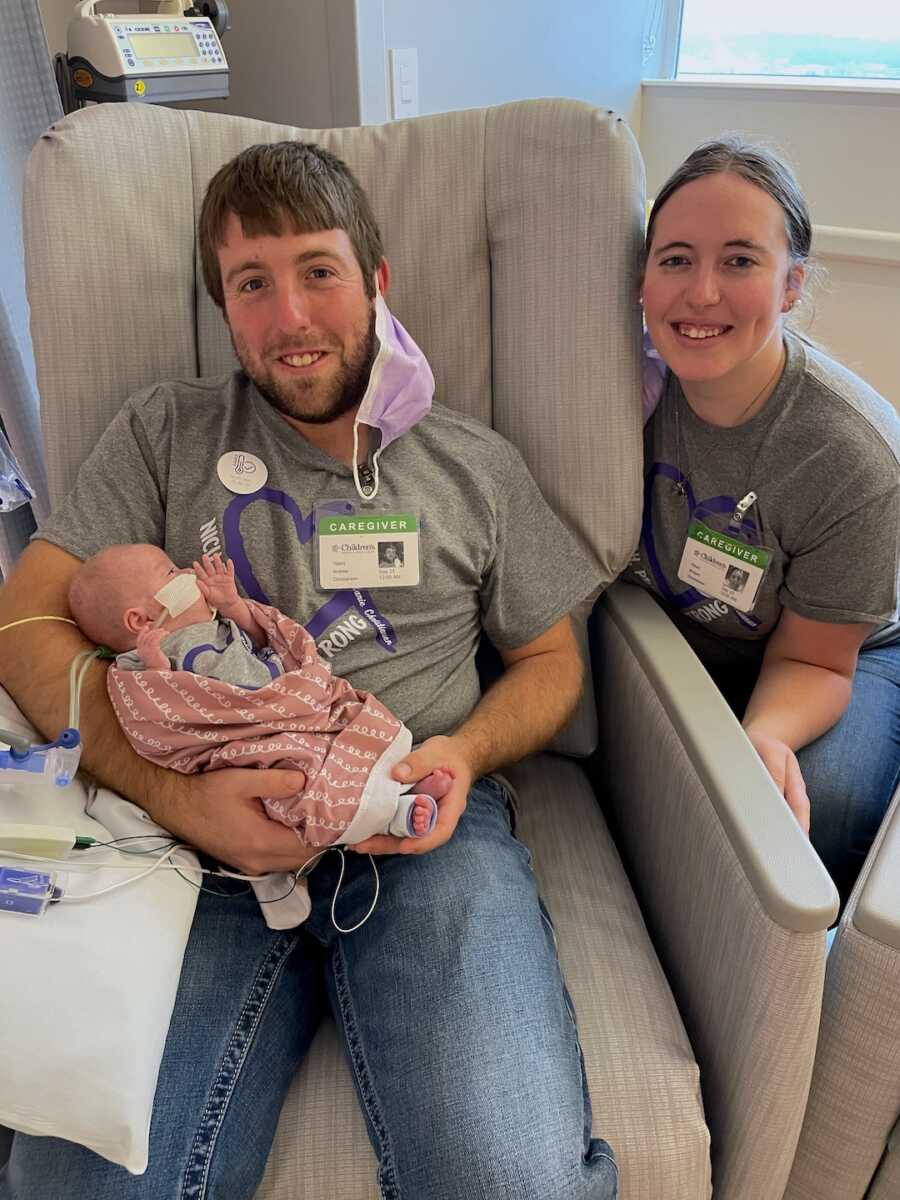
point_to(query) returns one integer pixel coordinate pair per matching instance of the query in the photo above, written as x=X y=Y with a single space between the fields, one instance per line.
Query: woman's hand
x=781 y=763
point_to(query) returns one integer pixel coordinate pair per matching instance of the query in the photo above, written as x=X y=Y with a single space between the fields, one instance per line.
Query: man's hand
x=449 y=754
x=781 y=763
x=148 y=641
x=215 y=580
x=220 y=812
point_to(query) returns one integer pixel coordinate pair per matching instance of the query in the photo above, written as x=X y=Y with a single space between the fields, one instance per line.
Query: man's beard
x=312 y=401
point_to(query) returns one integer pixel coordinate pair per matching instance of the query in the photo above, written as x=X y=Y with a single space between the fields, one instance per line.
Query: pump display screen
x=163 y=45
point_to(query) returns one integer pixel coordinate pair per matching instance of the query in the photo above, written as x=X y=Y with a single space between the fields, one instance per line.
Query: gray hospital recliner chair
x=850 y=1143
x=696 y=968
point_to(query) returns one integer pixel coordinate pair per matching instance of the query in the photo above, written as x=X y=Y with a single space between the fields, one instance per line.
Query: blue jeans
x=454 y=1015
x=852 y=771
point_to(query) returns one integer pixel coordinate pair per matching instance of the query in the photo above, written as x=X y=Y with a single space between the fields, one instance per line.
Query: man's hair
x=282 y=187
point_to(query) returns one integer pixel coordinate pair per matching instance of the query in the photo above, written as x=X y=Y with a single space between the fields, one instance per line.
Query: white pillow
x=88 y=988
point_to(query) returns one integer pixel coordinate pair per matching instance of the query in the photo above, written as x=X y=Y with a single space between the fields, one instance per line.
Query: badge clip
x=742 y=508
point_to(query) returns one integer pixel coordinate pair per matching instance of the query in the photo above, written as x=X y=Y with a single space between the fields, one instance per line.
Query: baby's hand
x=148 y=641
x=215 y=579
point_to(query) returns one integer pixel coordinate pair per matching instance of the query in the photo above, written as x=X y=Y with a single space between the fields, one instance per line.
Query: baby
x=284 y=709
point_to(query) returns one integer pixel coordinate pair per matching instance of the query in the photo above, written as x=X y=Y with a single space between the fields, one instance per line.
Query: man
x=390 y=554
x=449 y=999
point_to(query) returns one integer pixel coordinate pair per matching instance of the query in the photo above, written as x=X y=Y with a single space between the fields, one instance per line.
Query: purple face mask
x=653 y=378
x=400 y=390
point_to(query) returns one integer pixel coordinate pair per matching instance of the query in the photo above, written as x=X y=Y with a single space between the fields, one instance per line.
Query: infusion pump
x=144 y=58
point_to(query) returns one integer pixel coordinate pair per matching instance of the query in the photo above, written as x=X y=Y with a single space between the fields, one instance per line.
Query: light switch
x=404 y=83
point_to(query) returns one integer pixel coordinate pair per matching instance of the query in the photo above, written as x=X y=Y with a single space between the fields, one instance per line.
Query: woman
x=771 y=524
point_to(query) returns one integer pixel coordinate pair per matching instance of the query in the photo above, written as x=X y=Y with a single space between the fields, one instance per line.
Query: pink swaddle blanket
x=344 y=740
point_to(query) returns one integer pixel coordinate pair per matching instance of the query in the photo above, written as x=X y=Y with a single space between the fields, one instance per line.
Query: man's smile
x=302 y=359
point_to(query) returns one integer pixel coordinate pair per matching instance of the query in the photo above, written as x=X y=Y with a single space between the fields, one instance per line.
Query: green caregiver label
x=332 y=526
x=755 y=556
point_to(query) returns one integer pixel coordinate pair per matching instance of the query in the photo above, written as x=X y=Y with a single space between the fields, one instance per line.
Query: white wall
x=279 y=65
x=479 y=52
x=55 y=15
x=318 y=63
x=843 y=146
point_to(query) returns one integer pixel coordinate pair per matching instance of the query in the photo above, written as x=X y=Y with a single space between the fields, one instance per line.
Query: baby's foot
x=437 y=784
x=421 y=815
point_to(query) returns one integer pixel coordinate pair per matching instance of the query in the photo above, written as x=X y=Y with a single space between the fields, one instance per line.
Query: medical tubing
x=164 y=862
x=15 y=490
x=75 y=685
x=359 y=924
x=15 y=741
x=25 y=621
x=163 y=858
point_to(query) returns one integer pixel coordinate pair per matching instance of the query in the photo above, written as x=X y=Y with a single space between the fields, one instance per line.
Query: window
x=808 y=38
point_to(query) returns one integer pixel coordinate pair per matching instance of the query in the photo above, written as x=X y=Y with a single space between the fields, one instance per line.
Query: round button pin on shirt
x=242 y=472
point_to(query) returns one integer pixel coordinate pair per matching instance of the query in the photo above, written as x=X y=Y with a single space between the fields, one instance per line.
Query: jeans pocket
x=506 y=793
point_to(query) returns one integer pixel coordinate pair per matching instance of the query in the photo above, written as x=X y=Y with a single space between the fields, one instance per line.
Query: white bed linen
x=88 y=989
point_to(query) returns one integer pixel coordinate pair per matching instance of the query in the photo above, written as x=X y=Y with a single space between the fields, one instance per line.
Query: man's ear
x=383 y=276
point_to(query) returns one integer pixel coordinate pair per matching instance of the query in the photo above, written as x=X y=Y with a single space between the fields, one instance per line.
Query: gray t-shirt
x=494 y=556
x=823 y=456
x=219 y=649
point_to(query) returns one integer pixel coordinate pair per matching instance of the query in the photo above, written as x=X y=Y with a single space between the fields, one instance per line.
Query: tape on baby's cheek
x=179 y=594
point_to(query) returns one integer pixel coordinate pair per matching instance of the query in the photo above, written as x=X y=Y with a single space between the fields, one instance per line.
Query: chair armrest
x=790 y=882
x=735 y=899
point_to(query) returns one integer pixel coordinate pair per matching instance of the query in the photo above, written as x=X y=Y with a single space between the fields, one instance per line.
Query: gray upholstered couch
x=691 y=912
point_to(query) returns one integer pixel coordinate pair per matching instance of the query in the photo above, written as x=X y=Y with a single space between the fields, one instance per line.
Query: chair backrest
x=513 y=237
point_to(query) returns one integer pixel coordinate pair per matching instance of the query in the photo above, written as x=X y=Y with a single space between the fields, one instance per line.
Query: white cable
x=298 y=873
x=68 y=864
x=124 y=882
x=359 y=924
x=163 y=863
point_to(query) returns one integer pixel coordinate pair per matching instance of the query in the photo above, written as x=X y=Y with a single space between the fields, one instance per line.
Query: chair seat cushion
x=644 y=1082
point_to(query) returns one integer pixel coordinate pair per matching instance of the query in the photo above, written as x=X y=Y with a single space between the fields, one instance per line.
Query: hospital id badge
x=723 y=567
x=369 y=548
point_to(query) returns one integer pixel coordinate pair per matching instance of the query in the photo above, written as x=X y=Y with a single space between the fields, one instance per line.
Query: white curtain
x=29 y=102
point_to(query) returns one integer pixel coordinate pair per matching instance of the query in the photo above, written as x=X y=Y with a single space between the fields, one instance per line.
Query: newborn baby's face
x=160 y=570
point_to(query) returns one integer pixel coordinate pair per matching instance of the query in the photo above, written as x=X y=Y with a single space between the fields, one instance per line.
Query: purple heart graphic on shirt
x=338 y=603
x=715 y=506
x=192 y=655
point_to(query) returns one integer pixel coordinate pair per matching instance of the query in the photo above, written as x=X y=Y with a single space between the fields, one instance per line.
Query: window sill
x=781 y=83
